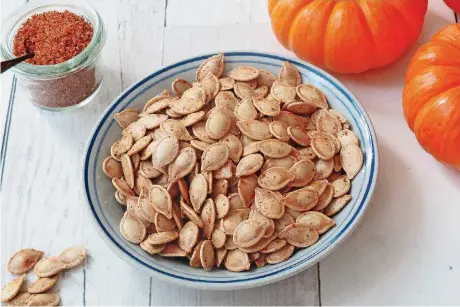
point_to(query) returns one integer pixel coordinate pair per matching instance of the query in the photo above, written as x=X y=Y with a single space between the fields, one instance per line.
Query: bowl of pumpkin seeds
x=230 y=170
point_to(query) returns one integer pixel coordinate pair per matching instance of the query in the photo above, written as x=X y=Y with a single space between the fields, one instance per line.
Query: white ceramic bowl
x=106 y=213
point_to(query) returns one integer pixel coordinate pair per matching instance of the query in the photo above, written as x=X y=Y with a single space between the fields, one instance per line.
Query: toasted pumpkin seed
x=301 y=200
x=259 y=245
x=128 y=170
x=195 y=259
x=325 y=198
x=249 y=232
x=214 y=157
x=48 y=266
x=351 y=158
x=341 y=186
x=285 y=220
x=249 y=165
x=198 y=191
x=255 y=129
x=131 y=228
x=161 y=200
x=289 y=74
x=43 y=299
x=299 y=235
x=152 y=249
x=268 y=203
x=233 y=219
x=226 y=83
x=42 y=284
x=244 y=73
x=112 y=168
x=246 y=189
x=191 y=214
x=165 y=151
x=12 y=288
x=245 y=110
x=316 y=220
x=235 y=148
x=309 y=93
x=275 y=178
x=282 y=91
x=20 y=299
x=24 y=260
x=273 y=148
x=173 y=250
x=208 y=216
x=280 y=255
x=182 y=165
x=218 y=124
x=188 y=236
x=73 y=256
x=207 y=255
x=214 y=65
x=237 y=261
x=218 y=238
x=126 y=117
x=243 y=91
x=336 y=205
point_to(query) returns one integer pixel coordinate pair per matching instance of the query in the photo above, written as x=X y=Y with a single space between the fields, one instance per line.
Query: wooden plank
x=43 y=197
x=299 y=290
x=400 y=254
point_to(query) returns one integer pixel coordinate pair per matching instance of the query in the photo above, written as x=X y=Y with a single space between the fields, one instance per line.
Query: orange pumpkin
x=431 y=97
x=347 y=36
x=454 y=5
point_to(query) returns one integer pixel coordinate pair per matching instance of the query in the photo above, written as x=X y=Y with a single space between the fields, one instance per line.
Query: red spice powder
x=55 y=37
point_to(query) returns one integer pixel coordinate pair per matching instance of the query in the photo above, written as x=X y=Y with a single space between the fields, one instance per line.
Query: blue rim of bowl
x=285 y=271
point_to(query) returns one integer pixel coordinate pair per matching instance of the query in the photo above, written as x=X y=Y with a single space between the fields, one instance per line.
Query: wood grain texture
x=408 y=240
x=406 y=251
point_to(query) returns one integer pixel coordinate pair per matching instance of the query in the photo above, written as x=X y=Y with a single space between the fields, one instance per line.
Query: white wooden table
x=405 y=251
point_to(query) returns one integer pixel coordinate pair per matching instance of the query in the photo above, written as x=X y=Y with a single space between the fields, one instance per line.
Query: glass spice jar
x=63 y=86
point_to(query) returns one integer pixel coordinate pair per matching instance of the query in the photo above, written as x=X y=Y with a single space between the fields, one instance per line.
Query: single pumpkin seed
x=309 y=93
x=23 y=260
x=191 y=214
x=182 y=165
x=273 y=246
x=249 y=165
x=301 y=200
x=208 y=216
x=207 y=255
x=12 y=288
x=336 y=205
x=260 y=92
x=299 y=235
x=48 y=266
x=214 y=157
x=244 y=73
x=347 y=137
x=352 y=159
x=268 y=203
x=304 y=172
x=268 y=107
x=237 y=261
x=279 y=130
x=251 y=148
x=275 y=178
x=226 y=83
x=112 y=168
x=131 y=228
x=260 y=245
x=243 y=91
x=161 y=200
x=141 y=182
x=221 y=253
x=299 y=136
x=274 y=148
x=265 y=78
x=211 y=84
x=230 y=244
x=152 y=249
x=164 y=94
x=249 y=232
x=318 y=185
x=126 y=117
x=179 y=86
x=246 y=189
x=316 y=220
x=152 y=121
x=162 y=237
x=162 y=223
x=329 y=124
x=300 y=107
x=286 y=162
x=165 y=151
x=186 y=106
x=147 y=170
x=225 y=172
x=255 y=214
x=218 y=124
x=255 y=129
x=289 y=74
x=323 y=146
x=136 y=130
x=235 y=148
x=323 y=168
x=218 y=238
x=341 y=186
x=280 y=255
x=121 y=146
x=213 y=64
x=173 y=250
x=198 y=191
x=43 y=299
x=261 y=261
x=128 y=170
x=188 y=236
x=176 y=128
x=244 y=110
x=222 y=205
x=73 y=256
x=42 y=284
x=283 y=92
x=146 y=153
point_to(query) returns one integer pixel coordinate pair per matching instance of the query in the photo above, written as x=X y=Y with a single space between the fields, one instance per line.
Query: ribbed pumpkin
x=431 y=97
x=347 y=36
x=454 y=5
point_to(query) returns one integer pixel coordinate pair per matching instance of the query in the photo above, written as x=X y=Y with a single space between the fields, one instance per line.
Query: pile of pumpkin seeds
x=232 y=169
x=46 y=269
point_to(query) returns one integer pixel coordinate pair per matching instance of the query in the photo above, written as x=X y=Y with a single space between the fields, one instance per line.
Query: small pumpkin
x=347 y=36
x=431 y=97
x=454 y=5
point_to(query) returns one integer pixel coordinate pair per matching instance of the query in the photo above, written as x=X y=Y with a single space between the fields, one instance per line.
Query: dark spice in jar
x=54 y=37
